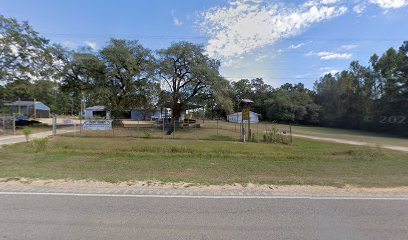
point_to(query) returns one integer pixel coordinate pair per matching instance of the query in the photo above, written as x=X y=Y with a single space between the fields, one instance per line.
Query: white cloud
x=326 y=70
x=390 y=3
x=68 y=44
x=332 y=72
x=296 y=46
x=176 y=20
x=349 y=46
x=331 y=55
x=246 y=25
x=261 y=57
x=92 y=45
x=359 y=8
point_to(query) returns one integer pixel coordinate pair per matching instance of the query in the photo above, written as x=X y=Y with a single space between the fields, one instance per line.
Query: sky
x=279 y=41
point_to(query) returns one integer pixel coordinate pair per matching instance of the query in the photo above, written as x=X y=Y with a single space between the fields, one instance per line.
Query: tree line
x=124 y=75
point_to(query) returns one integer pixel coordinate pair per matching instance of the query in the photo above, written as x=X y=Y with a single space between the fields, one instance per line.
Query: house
x=97 y=112
x=29 y=109
x=237 y=117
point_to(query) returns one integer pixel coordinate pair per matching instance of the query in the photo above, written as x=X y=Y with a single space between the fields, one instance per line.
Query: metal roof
x=245 y=100
x=21 y=103
x=96 y=108
x=38 y=105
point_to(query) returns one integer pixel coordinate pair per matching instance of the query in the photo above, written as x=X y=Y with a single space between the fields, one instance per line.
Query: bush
x=274 y=136
x=255 y=138
x=146 y=133
x=40 y=144
x=27 y=132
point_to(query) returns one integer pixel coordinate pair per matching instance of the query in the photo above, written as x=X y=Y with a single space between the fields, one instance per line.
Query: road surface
x=21 y=138
x=70 y=216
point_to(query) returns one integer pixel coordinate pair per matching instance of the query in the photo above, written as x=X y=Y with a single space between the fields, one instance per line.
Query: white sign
x=97 y=125
x=68 y=122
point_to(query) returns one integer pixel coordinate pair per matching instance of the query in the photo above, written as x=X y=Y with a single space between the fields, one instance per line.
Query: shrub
x=147 y=133
x=255 y=138
x=27 y=132
x=274 y=136
x=40 y=144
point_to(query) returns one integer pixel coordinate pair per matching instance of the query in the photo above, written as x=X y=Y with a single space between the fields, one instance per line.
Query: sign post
x=246 y=116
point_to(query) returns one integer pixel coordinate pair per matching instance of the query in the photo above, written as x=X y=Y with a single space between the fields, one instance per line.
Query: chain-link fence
x=7 y=125
x=197 y=129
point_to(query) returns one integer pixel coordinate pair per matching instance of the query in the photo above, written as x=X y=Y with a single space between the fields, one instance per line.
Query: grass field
x=205 y=162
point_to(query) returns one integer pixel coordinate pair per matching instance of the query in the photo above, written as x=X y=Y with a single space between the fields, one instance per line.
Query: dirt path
x=21 y=138
x=350 y=142
x=160 y=188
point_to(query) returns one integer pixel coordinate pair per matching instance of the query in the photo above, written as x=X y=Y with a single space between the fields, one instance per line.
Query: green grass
x=205 y=162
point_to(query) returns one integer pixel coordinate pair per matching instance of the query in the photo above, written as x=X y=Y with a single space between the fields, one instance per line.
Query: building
x=237 y=117
x=97 y=112
x=142 y=115
x=30 y=109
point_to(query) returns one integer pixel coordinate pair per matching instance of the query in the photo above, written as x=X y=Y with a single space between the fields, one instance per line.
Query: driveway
x=21 y=138
x=349 y=142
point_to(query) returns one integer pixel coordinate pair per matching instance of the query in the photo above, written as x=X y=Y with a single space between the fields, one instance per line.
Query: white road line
x=204 y=196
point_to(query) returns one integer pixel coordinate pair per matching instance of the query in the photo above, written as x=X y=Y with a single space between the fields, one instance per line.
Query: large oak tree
x=187 y=73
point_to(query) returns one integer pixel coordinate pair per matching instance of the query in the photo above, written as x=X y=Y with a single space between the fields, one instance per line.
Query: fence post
x=174 y=127
x=163 y=126
x=113 y=127
x=4 y=122
x=217 y=126
x=14 y=124
x=290 y=130
x=54 y=125
x=80 y=123
x=195 y=131
x=257 y=129
x=138 y=129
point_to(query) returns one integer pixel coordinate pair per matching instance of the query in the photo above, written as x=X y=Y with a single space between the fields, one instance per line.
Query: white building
x=97 y=112
x=237 y=117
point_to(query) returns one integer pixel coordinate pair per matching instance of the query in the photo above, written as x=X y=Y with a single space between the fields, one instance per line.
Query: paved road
x=126 y=217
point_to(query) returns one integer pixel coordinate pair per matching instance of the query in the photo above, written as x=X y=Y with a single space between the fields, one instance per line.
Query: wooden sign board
x=246 y=114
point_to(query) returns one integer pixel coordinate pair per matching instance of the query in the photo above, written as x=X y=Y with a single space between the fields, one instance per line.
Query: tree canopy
x=23 y=53
x=187 y=74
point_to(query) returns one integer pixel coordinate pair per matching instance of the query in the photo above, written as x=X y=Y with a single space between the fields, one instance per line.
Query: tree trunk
x=176 y=114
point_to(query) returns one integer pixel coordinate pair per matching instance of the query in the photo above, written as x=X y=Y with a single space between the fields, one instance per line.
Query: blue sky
x=280 y=41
